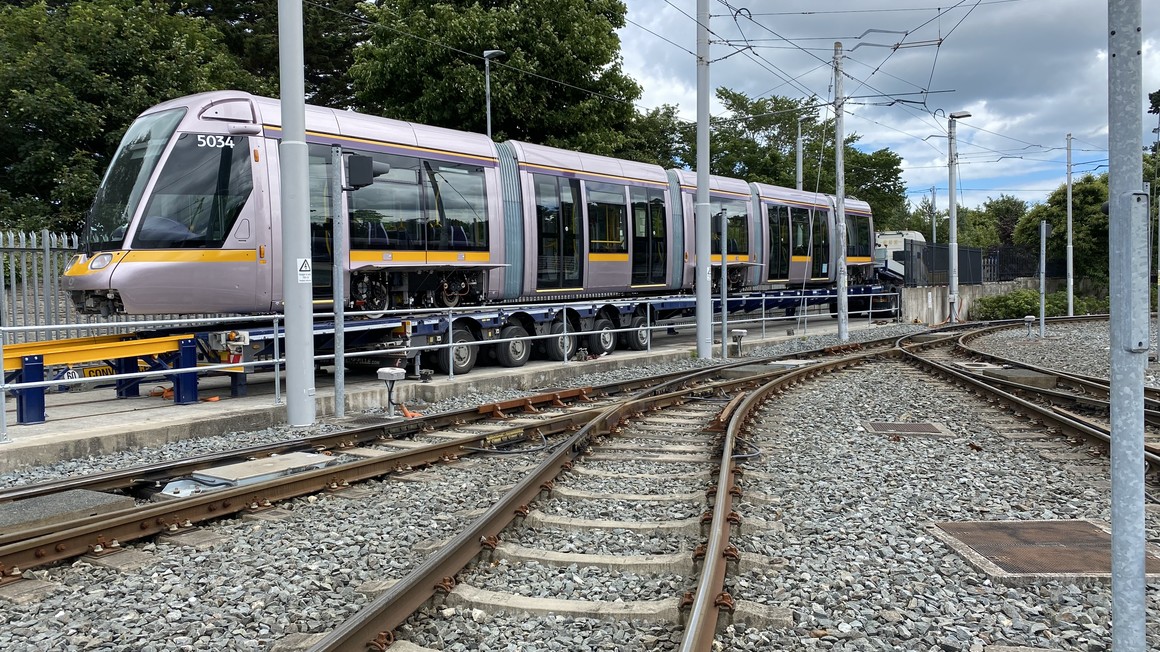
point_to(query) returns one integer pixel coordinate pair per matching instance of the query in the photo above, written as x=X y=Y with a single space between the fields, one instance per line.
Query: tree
x=560 y=84
x=72 y=78
x=250 y=31
x=975 y=228
x=1089 y=226
x=654 y=137
x=1005 y=212
x=757 y=142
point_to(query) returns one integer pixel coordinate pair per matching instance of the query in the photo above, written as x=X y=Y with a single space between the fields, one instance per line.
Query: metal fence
x=929 y=264
x=33 y=294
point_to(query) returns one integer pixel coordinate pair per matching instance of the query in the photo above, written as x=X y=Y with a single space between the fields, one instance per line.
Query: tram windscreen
x=121 y=189
x=199 y=193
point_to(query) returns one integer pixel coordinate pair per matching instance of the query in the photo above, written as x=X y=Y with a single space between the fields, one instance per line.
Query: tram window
x=388 y=214
x=800 y=219
x=737 y=225
x=857 y=235
x=607 y=218
x=199 y=194
x=456 y=206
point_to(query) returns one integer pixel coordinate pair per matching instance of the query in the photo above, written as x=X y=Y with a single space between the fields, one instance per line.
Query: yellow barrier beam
x=85 y=349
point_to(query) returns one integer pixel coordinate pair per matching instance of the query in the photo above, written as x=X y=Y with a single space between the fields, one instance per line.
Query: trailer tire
x=561 y=347
x=603 y=340
x=639 y=337
x=462 y=357
x=516 y=353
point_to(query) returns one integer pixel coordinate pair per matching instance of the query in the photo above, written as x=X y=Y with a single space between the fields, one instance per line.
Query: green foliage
x=1089 y=227
x=758 y=142
x=423 y=63
x=1020 y=303
x=1005 y=213
x=72 y=78
x=249 y=30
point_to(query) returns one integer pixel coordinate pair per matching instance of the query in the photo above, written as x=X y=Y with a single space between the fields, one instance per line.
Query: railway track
x=360 y=456
x=1075 y=406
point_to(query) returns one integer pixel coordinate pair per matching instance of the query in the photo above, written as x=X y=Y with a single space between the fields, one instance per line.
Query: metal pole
x=953 y=252
x=933 y=217
x=724 y=283
x=703 y=281
x=297 y=275
x=799 y=155
x=487 y=86
x=1042 y=278
x=840 y=198
x=1128 y=254
x=338 y=272
x=1070 y=286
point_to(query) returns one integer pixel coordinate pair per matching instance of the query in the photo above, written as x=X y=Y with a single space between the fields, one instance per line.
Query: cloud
x=1029 y=71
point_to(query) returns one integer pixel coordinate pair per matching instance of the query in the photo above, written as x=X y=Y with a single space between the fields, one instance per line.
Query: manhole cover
x=899 y=428
x=1074 y=548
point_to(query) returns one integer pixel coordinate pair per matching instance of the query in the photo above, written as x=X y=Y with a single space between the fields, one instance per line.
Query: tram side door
x=558 y=225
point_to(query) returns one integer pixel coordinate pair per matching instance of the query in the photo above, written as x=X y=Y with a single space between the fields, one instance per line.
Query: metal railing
x=33 y=294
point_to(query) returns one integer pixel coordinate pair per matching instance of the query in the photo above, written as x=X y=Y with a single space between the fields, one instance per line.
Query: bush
x=1020 y=303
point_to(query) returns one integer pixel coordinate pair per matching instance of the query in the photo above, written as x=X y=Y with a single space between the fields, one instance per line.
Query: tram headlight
x=100 y=261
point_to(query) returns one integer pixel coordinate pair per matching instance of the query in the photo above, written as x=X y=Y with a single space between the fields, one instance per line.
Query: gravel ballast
x=861 y=570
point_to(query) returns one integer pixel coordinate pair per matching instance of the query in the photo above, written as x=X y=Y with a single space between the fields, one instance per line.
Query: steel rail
x=372 y=627
x=1048 y=416
x=127 y=479
x=51 y=543
x=1097 y=386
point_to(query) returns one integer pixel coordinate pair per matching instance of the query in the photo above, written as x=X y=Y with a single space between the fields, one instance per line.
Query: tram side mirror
x=360 y=171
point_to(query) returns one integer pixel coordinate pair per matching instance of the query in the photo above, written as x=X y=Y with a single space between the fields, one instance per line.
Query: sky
x=1028 y=71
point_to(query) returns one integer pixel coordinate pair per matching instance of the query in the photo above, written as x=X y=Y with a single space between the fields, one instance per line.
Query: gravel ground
x=1081 y=348
x=859 y=562
x=862 y=569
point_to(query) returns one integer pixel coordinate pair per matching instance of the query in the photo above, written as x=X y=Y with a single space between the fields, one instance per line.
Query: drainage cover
x=899 y=428
x=1040 y=547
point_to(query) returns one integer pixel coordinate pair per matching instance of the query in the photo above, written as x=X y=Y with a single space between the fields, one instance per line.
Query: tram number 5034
x=204 y=140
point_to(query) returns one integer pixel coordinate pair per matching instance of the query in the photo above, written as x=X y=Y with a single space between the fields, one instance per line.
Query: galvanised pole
x=1070 y=282
x=337 y=283
x=703 y=282
x=1128 y=255
x=297 y=274
x=840 y=198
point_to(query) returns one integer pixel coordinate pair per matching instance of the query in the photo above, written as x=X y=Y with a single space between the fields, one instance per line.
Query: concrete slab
x=59 y=508
x=762 y=616
x=1023 y=377
x=298 y=642
x=269 y=516
x=746 y=371
x=27 y=591
x=680 y=563
x=662 y=611
x=577 y=494
x=374 y=588
x=128 y=560
x=265 y=468
x=197 y=538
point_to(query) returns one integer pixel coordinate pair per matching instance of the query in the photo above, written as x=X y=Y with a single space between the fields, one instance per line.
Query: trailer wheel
x=603 y=340
x=638 y=338
x=461 y=356
x=562 y=347
x=517 y=352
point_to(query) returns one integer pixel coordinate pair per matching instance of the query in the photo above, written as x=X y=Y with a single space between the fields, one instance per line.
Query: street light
x=488 y=55
x=953 y=252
